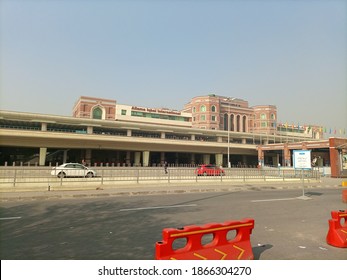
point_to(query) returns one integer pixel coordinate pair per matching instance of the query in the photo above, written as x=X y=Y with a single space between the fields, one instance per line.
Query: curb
x=156 y=190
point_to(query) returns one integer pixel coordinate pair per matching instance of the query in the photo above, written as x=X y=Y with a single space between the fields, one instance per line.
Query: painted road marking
x=277 y=199
x=11 y=218
x=157 y=207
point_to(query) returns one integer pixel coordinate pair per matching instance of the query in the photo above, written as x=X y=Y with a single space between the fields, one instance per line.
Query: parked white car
x=72 y=170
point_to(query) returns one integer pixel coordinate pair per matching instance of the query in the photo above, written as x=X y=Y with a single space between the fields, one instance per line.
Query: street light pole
x=229 y=165
x=228 y=143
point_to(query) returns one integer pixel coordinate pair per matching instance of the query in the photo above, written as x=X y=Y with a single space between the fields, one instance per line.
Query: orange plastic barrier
x=337 y=234
x=219 y=248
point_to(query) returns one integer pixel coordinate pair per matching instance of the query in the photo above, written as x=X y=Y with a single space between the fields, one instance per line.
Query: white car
x=72 y=170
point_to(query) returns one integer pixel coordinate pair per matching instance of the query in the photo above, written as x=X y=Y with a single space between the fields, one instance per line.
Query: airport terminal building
x=209 y=129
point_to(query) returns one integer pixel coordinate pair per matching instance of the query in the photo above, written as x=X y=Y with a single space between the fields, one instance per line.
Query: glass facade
x=159 y=116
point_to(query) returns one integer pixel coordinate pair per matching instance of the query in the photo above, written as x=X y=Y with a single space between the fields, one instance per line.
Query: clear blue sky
x=292 y=54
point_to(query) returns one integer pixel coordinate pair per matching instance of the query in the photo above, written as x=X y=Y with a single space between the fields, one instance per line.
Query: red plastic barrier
x=220 y=248
x=337 y=234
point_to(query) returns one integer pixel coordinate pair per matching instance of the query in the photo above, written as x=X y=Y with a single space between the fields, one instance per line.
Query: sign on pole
x=302 y=159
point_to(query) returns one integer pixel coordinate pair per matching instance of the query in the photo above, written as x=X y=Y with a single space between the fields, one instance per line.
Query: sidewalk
x=153 y=189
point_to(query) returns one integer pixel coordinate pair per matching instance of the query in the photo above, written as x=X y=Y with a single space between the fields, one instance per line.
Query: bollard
x=344 y=196
x=344 y=192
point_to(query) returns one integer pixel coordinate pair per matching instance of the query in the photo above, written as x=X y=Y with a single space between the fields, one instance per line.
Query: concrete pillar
x=117 y=158
x=192 y=159
x=234 y=125
x=43 y=153
x=244 y=141
x=244 y=160
x=127 y=158
x=219 y=159
x=162 y=135
x=64 y=156
x=219 y=139
x=335 y=157
x=145 y=158
x=89 y=130
x=237 y=124
x=162 y=158
x=192 y=137
x=260 y=156
x=137 y=159
x=276 y=160
x=88 y=157
x=246 y=124
x=287 y=156
x=129 y=132
x=43 y=126
x=206 y=159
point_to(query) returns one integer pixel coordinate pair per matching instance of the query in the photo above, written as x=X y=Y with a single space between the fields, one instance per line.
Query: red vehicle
x=209 y=170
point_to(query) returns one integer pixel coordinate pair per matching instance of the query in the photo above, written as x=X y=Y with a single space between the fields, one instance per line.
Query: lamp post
x=229 y=138
x=229 y=165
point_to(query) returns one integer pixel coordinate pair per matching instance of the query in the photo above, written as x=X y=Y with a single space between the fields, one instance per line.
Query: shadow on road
x=313 y=194
x=257 y=251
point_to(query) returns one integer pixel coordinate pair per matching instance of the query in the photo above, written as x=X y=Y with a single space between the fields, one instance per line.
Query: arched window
x=273 y=116
x=194 y=109
x=202 y=108
x=263 y=116
x=97 y=113
x=225 y=121
x=213 y=108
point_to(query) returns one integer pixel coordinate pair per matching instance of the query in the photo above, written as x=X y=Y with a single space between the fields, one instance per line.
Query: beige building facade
x=210 y=129
x=211 y=112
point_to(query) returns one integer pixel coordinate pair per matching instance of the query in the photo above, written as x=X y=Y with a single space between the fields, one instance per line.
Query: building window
x=124 y=112
x=225 y=122
x=97 y=113
x=263 y=124
x=213 y=108
x=213 y=118
x=273 y=116
x=203 y=118
x=263 y=116
x=202 y=108
x=194 y=109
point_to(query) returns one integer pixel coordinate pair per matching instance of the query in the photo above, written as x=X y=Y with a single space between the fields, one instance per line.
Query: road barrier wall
x=218 y=245
x=337 y=234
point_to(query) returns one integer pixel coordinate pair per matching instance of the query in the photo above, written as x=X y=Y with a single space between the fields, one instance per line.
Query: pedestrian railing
x=29 y=176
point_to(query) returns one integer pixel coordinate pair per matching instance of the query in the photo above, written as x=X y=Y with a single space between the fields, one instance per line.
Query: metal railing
x=26 y=176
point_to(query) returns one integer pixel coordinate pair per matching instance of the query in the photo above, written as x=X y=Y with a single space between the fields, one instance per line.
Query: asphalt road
x=127 y=227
